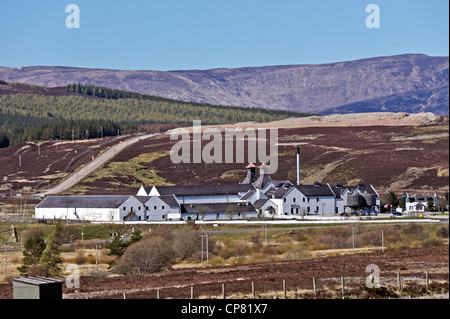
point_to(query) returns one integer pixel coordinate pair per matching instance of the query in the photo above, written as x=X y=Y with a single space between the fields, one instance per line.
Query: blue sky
x=205 y=34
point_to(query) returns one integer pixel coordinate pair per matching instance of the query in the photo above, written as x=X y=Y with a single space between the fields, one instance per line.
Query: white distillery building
x=255 y=197
x=90 y=208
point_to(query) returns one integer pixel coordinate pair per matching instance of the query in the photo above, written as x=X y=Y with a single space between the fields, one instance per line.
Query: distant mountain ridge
x=403 y=83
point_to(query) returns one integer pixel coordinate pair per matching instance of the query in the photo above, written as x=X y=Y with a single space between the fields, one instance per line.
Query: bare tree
x=152 y=254
x=231 y=212
x=187 y=241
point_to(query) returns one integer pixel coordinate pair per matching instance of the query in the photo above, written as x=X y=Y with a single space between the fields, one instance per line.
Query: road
x=92 y=166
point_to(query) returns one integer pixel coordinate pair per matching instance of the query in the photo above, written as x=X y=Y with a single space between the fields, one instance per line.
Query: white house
x=162 y=208
x=92 y=208
x=191 y=194
x=419 y=203
x=254 y=197
x=217 y=211
x=353 y=198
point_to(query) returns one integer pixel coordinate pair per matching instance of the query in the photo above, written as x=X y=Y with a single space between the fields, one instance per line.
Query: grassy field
x=235 y=248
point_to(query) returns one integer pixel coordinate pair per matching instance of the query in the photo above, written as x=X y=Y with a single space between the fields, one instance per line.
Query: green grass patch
x=133 y=170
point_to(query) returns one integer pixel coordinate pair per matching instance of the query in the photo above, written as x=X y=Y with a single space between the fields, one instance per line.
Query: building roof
x=278 y=192
x=251 y=175
x=216 y=208
x=37 y=281
x=316 y=190
x=85 y=201
x=142 y=199
x=259 y=203
x=204 y=190
x=248 y=194
x=282 y=183
x=264 y=178
x=170 y=200
x=147 y=188
x=363 y=189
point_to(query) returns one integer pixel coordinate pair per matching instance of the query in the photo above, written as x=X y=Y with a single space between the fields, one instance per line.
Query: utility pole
x=265 y=231
x=6 y=262
x=298 y=165
x=207 y=248
x=202 y=246
x=353 y=236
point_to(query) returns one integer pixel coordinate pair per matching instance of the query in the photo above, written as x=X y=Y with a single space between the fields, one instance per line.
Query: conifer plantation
x=95 y=112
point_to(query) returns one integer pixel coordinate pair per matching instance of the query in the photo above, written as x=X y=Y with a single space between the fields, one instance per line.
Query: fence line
x=343 y=290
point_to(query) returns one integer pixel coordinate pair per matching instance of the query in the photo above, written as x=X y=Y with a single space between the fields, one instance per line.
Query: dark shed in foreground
x=37 y=288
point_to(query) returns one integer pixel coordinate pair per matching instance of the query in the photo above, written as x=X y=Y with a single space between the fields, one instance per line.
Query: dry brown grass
x=15 y=260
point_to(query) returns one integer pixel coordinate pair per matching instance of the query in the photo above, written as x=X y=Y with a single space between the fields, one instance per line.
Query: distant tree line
x=42 y=117
x=61 y=130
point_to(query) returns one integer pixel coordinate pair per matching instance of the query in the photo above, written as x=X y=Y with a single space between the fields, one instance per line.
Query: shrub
x=80 y=258
x=97 y=273
x=90 y=259
x=186 y=242
x=32 y=232
x=302 y=237
x=216 y=262
x=336 y=231
x=332 y=242
x=299 y=252
x=372 y=238
x=235 y=249
x=256 y=241
x=415 y=230
x=236 y=261
x=433 y=241
x=442 y=232
x=150 y=255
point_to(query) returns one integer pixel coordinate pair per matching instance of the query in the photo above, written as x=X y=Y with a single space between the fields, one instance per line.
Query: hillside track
x=95 y=164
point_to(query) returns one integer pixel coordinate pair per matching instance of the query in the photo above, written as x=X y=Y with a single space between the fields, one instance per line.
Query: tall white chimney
x=298 y=165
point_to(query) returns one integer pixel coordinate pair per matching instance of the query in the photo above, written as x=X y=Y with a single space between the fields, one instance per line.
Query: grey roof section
x=148 y=189
x=85 y=201
x=142 y=199
x=316 y=190
x=262 y=181
x=170 y=200
x=251 y=176
x=282 y=183
x=248 y=194
x=216 y=208
x=278 y=192
x=204 y=190
x=339 y=189
x=37 y=281
x=259 y=203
